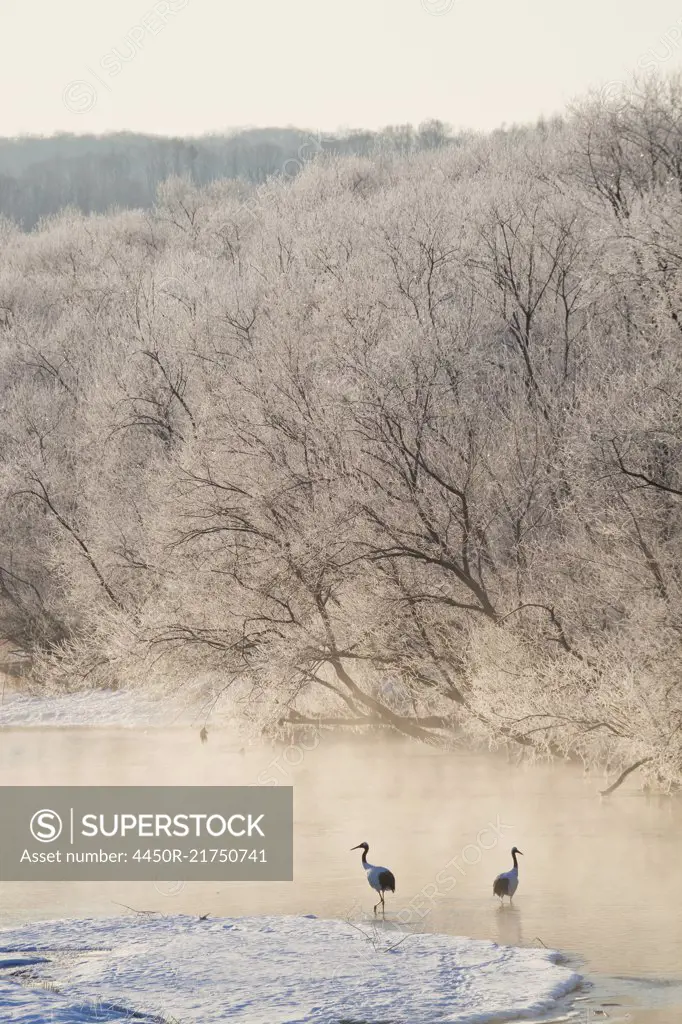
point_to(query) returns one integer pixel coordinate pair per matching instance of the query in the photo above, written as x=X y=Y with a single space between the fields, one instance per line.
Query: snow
x=95 y=708
x=268 y=970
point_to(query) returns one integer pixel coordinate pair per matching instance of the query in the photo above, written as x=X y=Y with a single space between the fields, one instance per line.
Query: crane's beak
x=359 y=847
x=518 y=851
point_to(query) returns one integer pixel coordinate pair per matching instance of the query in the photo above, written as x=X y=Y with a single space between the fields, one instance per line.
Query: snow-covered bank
x=98 y=709
x=267 y=970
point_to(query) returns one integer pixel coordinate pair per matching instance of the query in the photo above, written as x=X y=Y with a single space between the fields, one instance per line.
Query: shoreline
x=636 y=1000
x=309 y=969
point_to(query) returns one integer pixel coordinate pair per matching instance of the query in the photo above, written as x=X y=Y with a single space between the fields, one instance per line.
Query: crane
x=507 y=882
x=380 y=879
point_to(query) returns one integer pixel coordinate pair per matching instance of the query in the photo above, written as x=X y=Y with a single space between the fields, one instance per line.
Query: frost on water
x=266 y=970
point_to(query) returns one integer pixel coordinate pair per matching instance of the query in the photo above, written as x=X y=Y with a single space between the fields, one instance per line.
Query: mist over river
x=600 y=879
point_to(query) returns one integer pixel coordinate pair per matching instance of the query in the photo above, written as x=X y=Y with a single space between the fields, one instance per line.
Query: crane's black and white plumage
x=381 y=879
x=507 y=882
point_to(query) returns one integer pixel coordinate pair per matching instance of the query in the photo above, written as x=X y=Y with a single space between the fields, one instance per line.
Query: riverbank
x=95 y=708
x=276 y=969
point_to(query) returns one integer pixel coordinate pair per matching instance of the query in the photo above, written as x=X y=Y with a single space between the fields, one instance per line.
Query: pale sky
x=192 y=66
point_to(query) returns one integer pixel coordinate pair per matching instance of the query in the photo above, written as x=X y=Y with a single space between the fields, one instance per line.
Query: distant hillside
x=97 y=173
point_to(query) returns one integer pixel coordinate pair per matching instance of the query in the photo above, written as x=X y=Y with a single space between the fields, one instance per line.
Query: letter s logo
x=46 y=826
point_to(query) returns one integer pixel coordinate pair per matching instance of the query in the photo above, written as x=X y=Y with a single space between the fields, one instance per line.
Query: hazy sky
x=191 y=66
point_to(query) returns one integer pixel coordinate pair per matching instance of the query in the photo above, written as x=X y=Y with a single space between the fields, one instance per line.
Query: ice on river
x=267 y=970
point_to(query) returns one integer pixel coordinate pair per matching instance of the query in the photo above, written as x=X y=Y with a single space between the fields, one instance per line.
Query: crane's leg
x=383 y=904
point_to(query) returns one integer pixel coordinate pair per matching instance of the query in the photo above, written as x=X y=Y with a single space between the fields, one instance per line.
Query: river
x=600 y=878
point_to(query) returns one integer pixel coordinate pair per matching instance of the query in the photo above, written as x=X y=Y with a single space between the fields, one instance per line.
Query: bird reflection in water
x=509 y=925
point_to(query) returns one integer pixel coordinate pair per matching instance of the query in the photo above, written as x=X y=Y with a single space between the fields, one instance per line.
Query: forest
x=393 y=442
x=103 y=173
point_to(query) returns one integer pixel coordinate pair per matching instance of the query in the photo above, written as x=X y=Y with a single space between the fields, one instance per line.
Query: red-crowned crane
x=380 y=879
x=507 y=882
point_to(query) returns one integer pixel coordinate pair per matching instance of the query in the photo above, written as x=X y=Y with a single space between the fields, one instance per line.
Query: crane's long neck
x=364 y=858
x=516 y=863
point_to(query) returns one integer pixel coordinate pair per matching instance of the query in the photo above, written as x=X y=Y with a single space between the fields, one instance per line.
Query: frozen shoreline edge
x=207 y=969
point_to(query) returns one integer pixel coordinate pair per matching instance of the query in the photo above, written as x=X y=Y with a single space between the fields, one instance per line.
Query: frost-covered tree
x=393 y=443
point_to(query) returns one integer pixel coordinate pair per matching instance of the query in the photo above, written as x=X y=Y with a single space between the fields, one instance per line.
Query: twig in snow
x=149 y=913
